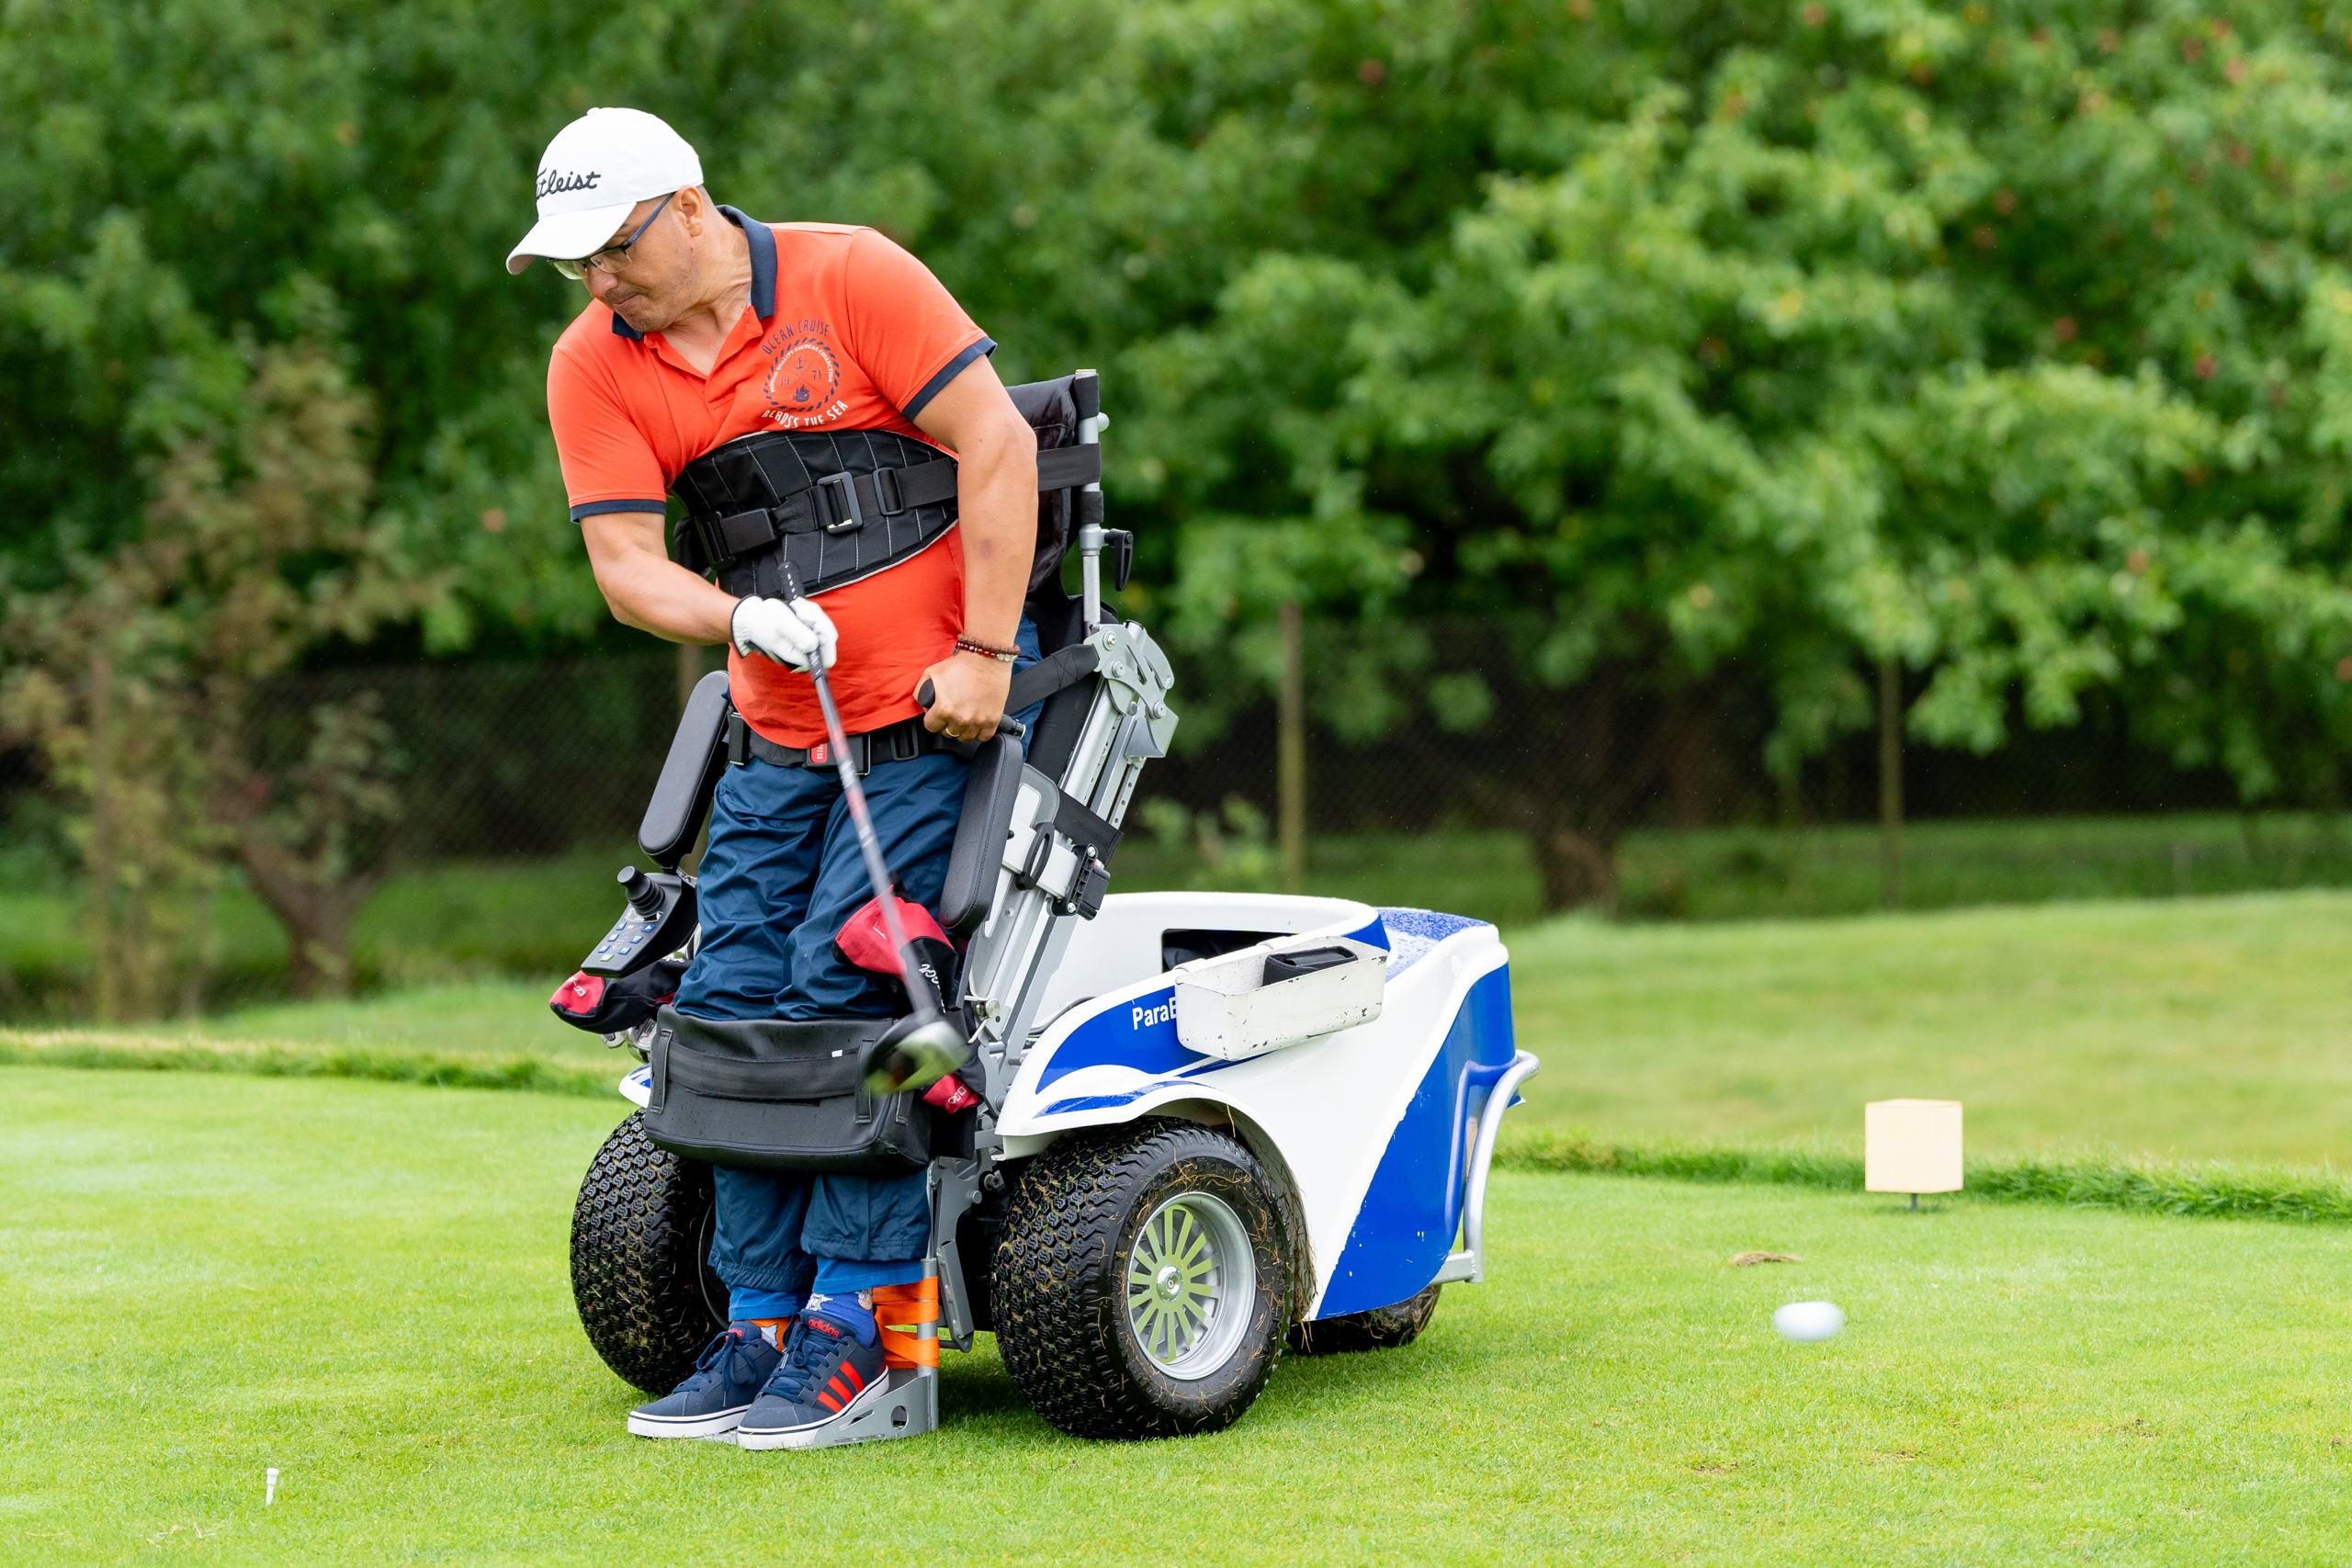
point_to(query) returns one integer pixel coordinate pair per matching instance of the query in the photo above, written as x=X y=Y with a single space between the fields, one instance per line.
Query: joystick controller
x=657 y=919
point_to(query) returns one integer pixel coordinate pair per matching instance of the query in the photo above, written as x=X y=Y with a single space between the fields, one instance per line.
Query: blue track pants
x=782 y=873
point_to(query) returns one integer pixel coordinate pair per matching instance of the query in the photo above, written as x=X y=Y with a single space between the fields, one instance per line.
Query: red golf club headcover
x=577 y=995
x=950 y=1095
x=607 y=1007
x=864 y=940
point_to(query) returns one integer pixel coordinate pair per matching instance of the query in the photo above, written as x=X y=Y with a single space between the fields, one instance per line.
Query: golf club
x=933 y=1047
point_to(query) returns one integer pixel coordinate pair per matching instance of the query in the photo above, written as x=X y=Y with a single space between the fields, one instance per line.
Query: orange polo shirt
x=846 y=331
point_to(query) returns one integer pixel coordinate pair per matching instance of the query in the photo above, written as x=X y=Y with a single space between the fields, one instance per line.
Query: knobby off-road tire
x=1085 y=1213
x=1382 y=1328
x=640 y=1270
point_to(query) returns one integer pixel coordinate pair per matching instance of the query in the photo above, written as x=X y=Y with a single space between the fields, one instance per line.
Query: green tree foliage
x=1711 y=352
x=138 y=677
x=2006 y=344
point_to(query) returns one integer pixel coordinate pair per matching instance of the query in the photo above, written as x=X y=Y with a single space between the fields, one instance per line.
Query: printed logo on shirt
x=805 y=380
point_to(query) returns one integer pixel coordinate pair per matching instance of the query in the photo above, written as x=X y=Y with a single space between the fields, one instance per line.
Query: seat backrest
x=681 y=799
x=1054 y=410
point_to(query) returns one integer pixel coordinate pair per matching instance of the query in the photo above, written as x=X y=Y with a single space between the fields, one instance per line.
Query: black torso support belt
x=839 y=505
x=899 y=742
x=903 y=742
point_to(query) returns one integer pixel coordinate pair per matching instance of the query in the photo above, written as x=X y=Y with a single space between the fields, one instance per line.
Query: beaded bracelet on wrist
x=987 y=651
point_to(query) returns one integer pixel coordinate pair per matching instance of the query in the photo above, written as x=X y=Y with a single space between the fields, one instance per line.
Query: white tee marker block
x=1911 y=1145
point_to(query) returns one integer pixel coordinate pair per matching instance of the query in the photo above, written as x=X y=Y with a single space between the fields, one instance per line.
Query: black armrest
x=681 y=794
x=978 y=850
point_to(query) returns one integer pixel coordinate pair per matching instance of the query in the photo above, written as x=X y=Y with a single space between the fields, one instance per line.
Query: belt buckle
x=714 y=542
x=851 y=517
x=820 y=755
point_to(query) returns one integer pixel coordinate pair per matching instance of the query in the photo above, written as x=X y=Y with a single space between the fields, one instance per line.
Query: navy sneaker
x=825 y=1375
x=712 y=1401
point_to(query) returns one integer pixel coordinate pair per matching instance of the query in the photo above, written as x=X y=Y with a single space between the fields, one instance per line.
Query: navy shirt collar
x=762 y=243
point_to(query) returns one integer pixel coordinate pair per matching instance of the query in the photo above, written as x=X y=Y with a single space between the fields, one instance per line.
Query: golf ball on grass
x=1806 y=1321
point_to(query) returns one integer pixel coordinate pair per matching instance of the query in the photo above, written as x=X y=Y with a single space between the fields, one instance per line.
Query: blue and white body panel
x=1377 y=1127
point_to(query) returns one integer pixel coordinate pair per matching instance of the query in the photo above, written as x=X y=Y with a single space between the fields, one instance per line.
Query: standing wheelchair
x=1210 y=1126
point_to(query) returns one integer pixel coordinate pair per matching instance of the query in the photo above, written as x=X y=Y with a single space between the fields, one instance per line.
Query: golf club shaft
x=876 y=871
x=926 y=1010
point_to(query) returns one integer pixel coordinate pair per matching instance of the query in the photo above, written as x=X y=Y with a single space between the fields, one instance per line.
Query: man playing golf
x=702 y=326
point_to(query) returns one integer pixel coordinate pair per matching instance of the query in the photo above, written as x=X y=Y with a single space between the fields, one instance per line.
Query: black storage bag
x=764 y=1094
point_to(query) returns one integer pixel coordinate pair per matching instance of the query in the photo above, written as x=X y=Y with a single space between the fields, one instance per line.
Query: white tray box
x=1225 y=1009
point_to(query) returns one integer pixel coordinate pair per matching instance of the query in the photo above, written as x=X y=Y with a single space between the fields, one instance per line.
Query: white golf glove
x=790 y=631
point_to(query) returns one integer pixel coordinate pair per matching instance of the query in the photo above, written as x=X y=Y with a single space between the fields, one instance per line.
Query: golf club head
x=912 y=1056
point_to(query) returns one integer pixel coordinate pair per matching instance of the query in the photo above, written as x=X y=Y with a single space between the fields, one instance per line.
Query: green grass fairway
x=2188 y=1029
x=2204 y=1029
x=489 y=1019
x=450 y=921
x=364 y=1285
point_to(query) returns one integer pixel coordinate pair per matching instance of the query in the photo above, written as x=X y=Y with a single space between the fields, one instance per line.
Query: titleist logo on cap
x=593 y=172
x=554 y=182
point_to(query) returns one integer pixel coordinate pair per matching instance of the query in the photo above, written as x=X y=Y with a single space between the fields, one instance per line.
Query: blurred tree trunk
x=316 y=915
x=1290 y=769
x=1889 y=782
x=104 y=1000
x=1602 y=755
x=1691 y=773
x=312 y=837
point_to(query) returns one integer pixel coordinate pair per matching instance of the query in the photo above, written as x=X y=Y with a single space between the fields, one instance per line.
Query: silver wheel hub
x=1191 y=1285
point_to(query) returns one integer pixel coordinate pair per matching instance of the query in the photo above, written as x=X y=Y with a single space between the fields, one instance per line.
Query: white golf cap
x=596 y=169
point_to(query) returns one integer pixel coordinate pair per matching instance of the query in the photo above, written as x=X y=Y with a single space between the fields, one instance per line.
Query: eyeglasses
x=610 y=258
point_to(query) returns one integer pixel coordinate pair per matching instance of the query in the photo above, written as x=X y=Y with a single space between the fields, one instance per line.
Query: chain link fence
x=1439 y=728
x=518 y=761
x=1470 y=766
x=536 y=758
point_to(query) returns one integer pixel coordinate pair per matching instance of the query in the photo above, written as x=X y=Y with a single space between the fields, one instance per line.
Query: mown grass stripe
x=2077 y=1180
x=1788 y=1167
x=285 y=1060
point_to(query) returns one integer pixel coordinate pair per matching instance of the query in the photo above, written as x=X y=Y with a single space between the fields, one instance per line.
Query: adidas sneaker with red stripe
x=828 y=1372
